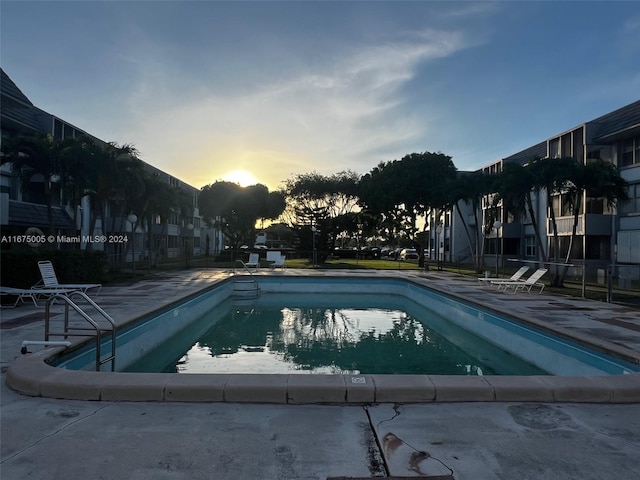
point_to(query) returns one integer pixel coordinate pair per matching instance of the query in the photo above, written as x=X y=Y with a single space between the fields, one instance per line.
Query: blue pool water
x=373 y=326
x=329 y=334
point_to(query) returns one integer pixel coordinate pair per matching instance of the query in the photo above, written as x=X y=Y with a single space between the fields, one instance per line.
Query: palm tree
x=470 y=188
x=110 y=171
x=35 y=157
x=553 y=176
x=74 y=169
x=515 y=186
x=596 y=179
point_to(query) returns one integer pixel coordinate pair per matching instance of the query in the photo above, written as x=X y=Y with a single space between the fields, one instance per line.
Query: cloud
x=320 y=118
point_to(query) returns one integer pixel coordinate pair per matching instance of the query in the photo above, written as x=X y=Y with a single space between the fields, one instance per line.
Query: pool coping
x=32 y=375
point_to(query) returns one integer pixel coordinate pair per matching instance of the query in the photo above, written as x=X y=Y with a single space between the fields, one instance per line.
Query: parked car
x=409 y=253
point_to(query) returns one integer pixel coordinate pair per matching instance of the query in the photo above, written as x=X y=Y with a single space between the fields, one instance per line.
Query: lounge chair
x=254 y=261
x=277 y=260
x=515 y=277
x=23 y=293
x=50 y=281
x=527 y=284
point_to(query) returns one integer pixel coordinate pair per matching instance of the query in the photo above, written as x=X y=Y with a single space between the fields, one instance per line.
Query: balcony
x=596 y=224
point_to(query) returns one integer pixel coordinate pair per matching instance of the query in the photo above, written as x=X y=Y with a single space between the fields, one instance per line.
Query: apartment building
x=23 y=206
x=606 y=235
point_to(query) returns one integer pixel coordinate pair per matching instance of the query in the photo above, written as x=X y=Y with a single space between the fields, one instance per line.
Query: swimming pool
x=296 y=333
x=546 y=352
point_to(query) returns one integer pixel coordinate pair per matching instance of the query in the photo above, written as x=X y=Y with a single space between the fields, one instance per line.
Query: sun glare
x=241 y=177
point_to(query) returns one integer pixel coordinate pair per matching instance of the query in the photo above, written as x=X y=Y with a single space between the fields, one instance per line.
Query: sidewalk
x=45 y=438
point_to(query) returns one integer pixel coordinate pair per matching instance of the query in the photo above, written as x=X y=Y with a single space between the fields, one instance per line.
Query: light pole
x=313 y=242
x=360 y=225
x=437 y=252
x=133 y=218
x=496 y=225
x=187 y=245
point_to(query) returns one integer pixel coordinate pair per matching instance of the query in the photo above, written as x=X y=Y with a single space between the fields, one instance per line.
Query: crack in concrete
x=385 y=465
x=391 y=442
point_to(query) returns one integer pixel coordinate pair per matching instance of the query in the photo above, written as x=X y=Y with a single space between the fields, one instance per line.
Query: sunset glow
x=241 y=177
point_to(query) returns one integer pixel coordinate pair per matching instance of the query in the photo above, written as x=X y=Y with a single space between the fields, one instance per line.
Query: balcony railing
x=595 y=224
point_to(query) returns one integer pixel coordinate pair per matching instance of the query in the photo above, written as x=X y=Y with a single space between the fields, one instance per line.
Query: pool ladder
x=103 y=336
x=245 y=286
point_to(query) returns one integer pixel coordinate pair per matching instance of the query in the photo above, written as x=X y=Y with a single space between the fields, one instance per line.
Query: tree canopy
x=402 y=190
x=235 y=209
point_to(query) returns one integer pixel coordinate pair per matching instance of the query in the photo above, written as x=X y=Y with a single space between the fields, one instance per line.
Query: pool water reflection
x=329 y=334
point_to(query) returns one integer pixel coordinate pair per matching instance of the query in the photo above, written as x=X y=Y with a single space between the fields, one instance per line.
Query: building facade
x=23 y=207
x=606 y=235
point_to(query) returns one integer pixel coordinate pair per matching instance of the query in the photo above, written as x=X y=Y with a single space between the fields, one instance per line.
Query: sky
x=206 y=90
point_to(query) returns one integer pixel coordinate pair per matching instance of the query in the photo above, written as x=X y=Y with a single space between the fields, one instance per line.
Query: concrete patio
x=61 y=439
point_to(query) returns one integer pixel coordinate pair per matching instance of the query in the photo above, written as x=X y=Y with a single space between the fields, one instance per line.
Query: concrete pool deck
x=43 y=437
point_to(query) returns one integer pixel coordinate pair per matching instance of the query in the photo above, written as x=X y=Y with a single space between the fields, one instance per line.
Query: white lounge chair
x=515 y=277
x=527 y=284
x=50 y=281
x=33 y=294
x=254 y=261
x=276 y=260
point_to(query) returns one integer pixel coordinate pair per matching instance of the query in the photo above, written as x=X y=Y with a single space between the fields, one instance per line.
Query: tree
x=75 y=170
x=158 y=199
x=380 y=197
x=322 y=202
x=595 y=179
x=552 y=175
x=470 y=188
x=114 y=177
x=235 y=209
x=407 y=189
x=36 y=159
x=515 y=186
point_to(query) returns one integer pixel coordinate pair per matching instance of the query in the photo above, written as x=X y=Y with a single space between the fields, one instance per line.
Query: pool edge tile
x=454 y=388
x=403 y=389
x=578 y=389
x=305 y=389
x=72 y=385
x=252 y=388
x=624 y=388
x=360 y=388
x=195 y=388
x=26 y=373
x=518 y=388
x=133 y=387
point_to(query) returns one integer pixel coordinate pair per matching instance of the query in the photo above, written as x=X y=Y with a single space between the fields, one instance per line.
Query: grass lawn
x=352 y=264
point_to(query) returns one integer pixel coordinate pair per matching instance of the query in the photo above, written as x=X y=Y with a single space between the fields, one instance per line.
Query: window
x=630 y=152
x=554 y=148
x=594 y=152
x=633 y=205
x=57 y=129
x=530 y=246
x=566 y=145
x=595 y=205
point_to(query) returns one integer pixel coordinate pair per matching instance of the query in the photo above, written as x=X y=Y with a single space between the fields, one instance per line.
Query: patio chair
x=254 y=261
x=515 y=277
x=50 y=281
x=523 y=285
x=277 y=260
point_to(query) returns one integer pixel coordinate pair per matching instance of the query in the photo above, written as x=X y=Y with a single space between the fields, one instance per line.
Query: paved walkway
x=60 y=439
